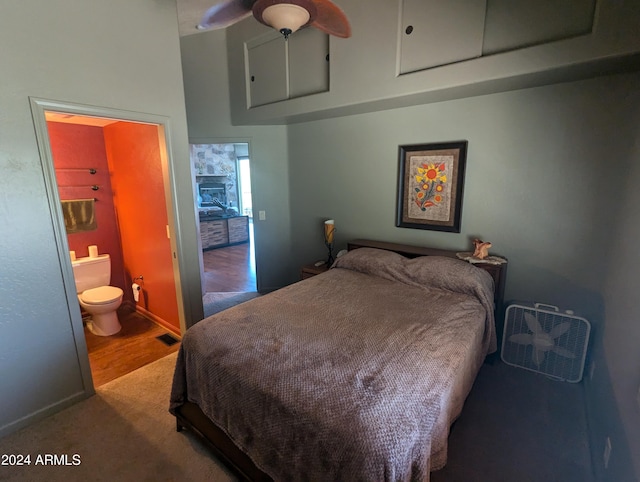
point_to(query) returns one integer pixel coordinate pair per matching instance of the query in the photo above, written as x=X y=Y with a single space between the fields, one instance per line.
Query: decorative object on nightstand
x=481 y=248
x=329 y=231
x=480 y=254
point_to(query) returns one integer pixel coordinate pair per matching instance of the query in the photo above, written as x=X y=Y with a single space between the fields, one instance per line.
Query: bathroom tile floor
x=133 y=347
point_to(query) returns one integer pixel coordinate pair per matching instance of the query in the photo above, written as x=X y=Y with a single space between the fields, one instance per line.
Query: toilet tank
x=92 y=272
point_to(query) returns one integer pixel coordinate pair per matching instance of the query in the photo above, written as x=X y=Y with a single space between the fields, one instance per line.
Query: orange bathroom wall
x=134 y=157
x=75 y=150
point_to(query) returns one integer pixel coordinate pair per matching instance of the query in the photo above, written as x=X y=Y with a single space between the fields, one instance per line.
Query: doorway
x=229 y=269
x=109 y=164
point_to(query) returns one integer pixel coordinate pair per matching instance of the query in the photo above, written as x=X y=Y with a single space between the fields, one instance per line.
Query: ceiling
x=189 y=14
x=78 y=119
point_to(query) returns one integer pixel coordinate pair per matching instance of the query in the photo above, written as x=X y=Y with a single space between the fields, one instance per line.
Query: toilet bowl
x=101 y=303
x=96 y=297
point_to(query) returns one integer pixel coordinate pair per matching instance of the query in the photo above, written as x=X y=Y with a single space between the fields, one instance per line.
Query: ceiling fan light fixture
x=286 y=16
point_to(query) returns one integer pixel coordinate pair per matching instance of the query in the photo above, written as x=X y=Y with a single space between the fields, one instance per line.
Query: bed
x=355 y=374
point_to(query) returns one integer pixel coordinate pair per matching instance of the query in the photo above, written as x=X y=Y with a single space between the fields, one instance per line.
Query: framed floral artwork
x=430 y=184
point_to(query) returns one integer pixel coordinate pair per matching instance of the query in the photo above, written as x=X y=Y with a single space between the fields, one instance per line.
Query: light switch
x=262 y=215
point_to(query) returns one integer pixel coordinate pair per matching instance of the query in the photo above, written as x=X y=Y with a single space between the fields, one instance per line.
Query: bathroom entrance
x=111 y=183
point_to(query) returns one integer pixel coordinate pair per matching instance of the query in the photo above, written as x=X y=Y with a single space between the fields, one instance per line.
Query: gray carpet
x=519 y=426
x=123 y=433
x=516 y=426
x=216 y=302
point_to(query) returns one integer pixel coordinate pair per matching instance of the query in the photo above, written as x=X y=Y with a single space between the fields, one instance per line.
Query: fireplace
x=210 y=191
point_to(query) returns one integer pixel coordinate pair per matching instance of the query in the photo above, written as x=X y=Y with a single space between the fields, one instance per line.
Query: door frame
x=225 y=140
x=39 y=107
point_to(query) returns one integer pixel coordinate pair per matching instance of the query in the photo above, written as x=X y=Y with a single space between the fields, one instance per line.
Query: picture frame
x=430 y=186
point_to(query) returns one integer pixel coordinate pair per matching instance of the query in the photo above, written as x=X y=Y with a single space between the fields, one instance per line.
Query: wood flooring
x=133 y=347
x=229 y=269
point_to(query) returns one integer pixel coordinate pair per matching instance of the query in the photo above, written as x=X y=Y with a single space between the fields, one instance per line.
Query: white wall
x=107 y=53
x=204 y=61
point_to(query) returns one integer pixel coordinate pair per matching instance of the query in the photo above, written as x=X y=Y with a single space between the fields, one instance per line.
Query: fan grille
x=575 y=339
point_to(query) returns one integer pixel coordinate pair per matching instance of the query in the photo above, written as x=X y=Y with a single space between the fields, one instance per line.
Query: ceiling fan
x=286 y=16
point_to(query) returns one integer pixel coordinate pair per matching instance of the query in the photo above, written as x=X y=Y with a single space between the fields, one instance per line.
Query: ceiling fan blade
x=522 y=338
x=532 y=323
x=559 y=330
x=226 y=13
x=563 y=352
x=331 y=19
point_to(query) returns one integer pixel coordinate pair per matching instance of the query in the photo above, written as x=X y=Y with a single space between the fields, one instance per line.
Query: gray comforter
x=355 y=374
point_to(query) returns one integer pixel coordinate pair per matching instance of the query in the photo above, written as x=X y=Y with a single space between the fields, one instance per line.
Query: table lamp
x=329 y=230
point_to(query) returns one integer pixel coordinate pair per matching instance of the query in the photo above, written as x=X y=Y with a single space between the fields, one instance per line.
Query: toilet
x=96 y=297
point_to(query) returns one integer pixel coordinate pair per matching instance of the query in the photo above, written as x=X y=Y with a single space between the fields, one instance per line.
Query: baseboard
x=157 y=320
x=43 y=413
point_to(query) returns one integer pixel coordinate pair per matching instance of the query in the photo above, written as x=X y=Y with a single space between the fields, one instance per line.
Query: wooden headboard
x=497 y=271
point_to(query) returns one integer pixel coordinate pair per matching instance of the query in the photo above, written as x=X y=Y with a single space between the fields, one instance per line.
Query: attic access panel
x=514 y=25
x=280 y=70
x=434 y=33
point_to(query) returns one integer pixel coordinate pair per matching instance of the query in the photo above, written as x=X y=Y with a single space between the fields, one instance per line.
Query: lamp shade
x=329 y=228
x=286 y=16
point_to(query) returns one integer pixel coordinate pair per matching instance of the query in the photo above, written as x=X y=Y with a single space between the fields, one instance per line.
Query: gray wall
x=550 y=182
x=364 y=68
x=622 y=335
x=548 y=169
x=204 y=61
x=108 y=53
x=534 y=183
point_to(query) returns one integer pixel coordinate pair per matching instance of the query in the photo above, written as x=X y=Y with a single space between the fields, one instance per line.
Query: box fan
x=543 y=339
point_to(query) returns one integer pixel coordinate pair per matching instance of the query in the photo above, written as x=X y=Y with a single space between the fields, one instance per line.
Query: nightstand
x=310 y=270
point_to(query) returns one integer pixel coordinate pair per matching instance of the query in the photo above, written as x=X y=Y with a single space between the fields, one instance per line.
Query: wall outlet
x=607 y=452
x=262 y=215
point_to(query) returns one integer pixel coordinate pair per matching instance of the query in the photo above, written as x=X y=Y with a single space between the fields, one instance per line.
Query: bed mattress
x=355 y=374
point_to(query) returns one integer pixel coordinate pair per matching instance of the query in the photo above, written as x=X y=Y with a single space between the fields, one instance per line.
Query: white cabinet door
x=437 y=32
x=267 y=71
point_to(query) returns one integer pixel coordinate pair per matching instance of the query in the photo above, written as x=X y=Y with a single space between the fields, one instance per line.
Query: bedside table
x=309 y=270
